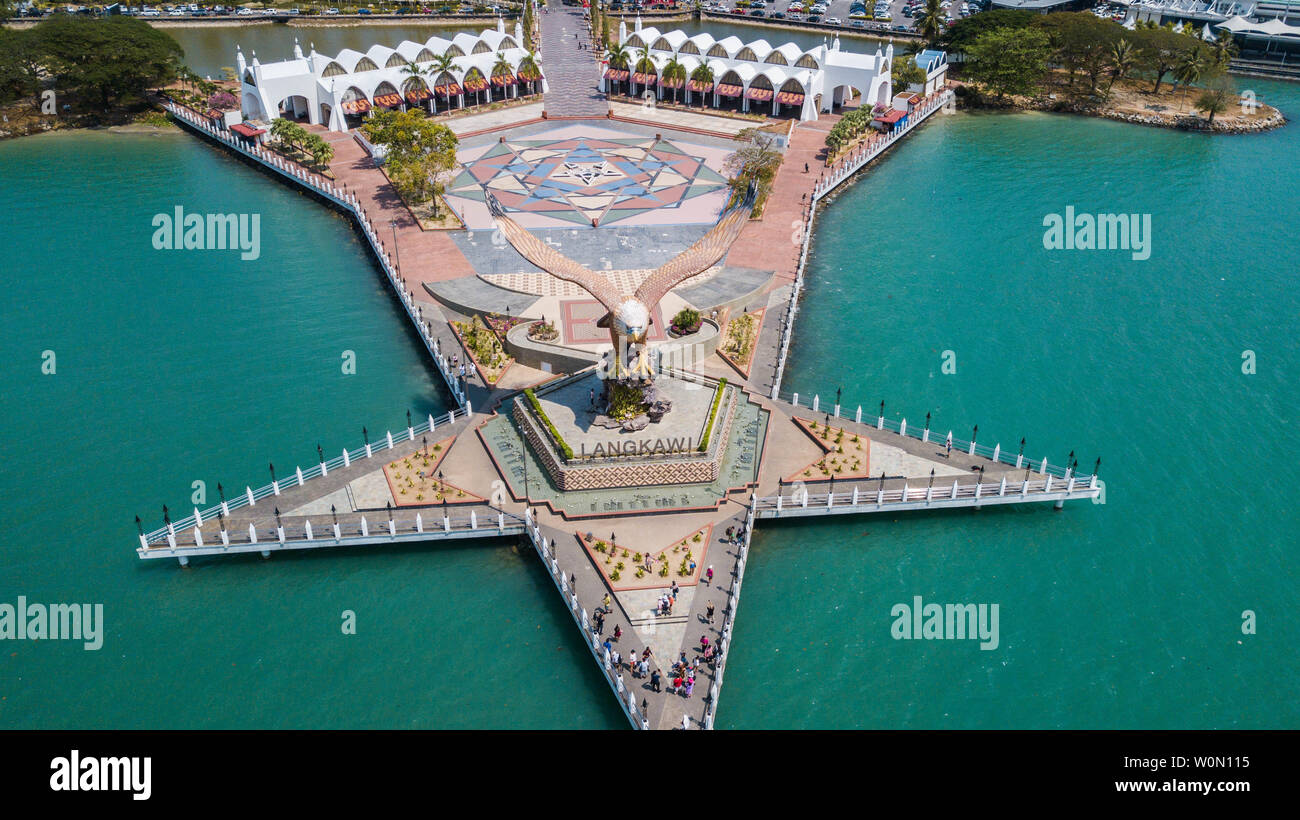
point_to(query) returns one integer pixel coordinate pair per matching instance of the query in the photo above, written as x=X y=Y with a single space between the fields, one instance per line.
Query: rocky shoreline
x=1272 y=118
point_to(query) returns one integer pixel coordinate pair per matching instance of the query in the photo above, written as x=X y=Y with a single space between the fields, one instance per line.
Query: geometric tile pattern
x=543 y=284
x=609 y=177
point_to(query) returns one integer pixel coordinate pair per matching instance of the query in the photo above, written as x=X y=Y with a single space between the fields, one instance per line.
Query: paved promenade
x=572 y=75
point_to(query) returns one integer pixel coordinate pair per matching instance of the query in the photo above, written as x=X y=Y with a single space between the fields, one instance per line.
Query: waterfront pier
x=616 y=552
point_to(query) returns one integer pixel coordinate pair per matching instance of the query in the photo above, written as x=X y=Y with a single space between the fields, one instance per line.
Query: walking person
x=709 y=611
x=708 y=575
x=654 y=681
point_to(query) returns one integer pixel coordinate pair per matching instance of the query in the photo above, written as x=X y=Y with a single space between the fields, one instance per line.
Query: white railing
x=299 y=476
x=350 y=530
x=729 y=619
x=591 y=639
x=865 y=499
x=924 y=433
x=349 y=202
x=861 y=156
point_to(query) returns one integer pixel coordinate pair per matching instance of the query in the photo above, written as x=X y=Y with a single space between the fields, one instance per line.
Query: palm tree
x=502 y=68
x=413 y=70
x=644 y=65
x=441 y=64
x=528 y=67
x=931 y=21
x=1191 y=67
x=703 y=75
x=617 y=56
x=1123 y=59
x=1223 y=50
x=674 y=72
x=474 y=75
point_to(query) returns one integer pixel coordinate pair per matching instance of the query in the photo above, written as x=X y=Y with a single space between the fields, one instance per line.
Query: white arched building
x=752 y=76
x=339 y=91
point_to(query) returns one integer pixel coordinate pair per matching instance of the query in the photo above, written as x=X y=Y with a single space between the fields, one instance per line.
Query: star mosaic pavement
x=572 y=175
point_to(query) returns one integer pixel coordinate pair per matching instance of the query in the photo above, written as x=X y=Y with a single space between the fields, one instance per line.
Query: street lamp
x=397 y=255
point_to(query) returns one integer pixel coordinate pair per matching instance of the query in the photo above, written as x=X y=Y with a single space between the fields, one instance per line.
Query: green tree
x=932 y=20
x=1123 y=59
x=1159 y=51
x=20 y=65
x=674 y=73
x=1007 y=61
x=704 y=76
x=756 y=161
x=963 y=33
x=418 y=152
x=1214 y=99
x=108 y=59
x=905 y=72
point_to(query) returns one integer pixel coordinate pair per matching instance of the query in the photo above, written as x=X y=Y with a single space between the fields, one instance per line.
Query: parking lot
x=841 y=10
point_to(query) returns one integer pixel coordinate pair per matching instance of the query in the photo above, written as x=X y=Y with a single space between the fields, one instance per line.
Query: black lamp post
x=320 y=454
x=272 y=467
x=221 y=492
x=1096 y=467
x=408 y=418
x=974 y=435
x=838 y=390
x=334 y=515
x=139 y=526
x=397 y=255
x=927 y=426
x=425 y=441
x=1021 y=454
x=167 y=519
x=1068 y=461
x=882 y=408
x=277 y=517
x=930 y=486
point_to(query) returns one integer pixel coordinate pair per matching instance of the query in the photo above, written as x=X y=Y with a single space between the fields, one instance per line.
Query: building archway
x=294 y=107
x=789 y=99
x=355 y=106
x=416 y=93
x=729 y=93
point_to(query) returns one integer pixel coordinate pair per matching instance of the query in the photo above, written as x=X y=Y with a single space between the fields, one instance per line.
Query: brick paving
x=571 y=73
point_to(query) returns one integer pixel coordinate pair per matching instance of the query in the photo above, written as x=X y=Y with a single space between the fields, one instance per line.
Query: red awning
x=525 y=77
x=447 y=90
x=615 y=74
x=699 y=85
x=356 y=106
x=245 y=130
x=728 y=90
x=503 y=79
x=760 y=94
x=671 y=83
x=416 y=95
x=644 y=79
x=789 y=98
x=388 y=100
x=476 y=85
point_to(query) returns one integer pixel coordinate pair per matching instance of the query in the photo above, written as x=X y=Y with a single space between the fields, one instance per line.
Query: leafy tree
x=756 y=161
x=1159 y=51
x=906 y=72
x=1008 y=61
x=20 y=65
x=1123 y=59
x=963 y=33
x=419 y=152
x=109 y=58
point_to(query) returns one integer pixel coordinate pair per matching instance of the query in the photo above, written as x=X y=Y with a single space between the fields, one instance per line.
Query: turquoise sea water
x=176 y=367
x=1126 y=614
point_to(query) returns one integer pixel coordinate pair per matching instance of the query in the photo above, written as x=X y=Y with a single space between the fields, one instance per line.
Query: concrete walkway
x=572 y=74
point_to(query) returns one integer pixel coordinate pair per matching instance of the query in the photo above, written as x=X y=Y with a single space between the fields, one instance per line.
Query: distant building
x=935 y=65
x=339 y=92
x=751 y=77
x=1043 y=6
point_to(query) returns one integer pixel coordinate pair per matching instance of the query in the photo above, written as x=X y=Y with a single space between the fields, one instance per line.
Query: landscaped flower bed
x=413 y=480
x=740 y=340
x=501 y=325
x=543 y=331
x=686 y=321
x=626 y=566
x=484 y=348
x=845 y=454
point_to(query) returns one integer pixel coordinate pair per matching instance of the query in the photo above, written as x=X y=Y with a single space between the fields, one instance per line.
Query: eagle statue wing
x=552 y=261
x=699 y=257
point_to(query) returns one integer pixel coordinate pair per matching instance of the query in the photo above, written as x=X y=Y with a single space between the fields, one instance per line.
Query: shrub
x=713 y=411
x=546 y=422
x=687 y=320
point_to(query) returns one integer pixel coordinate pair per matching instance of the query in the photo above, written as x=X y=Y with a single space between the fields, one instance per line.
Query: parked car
x=833 y=21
